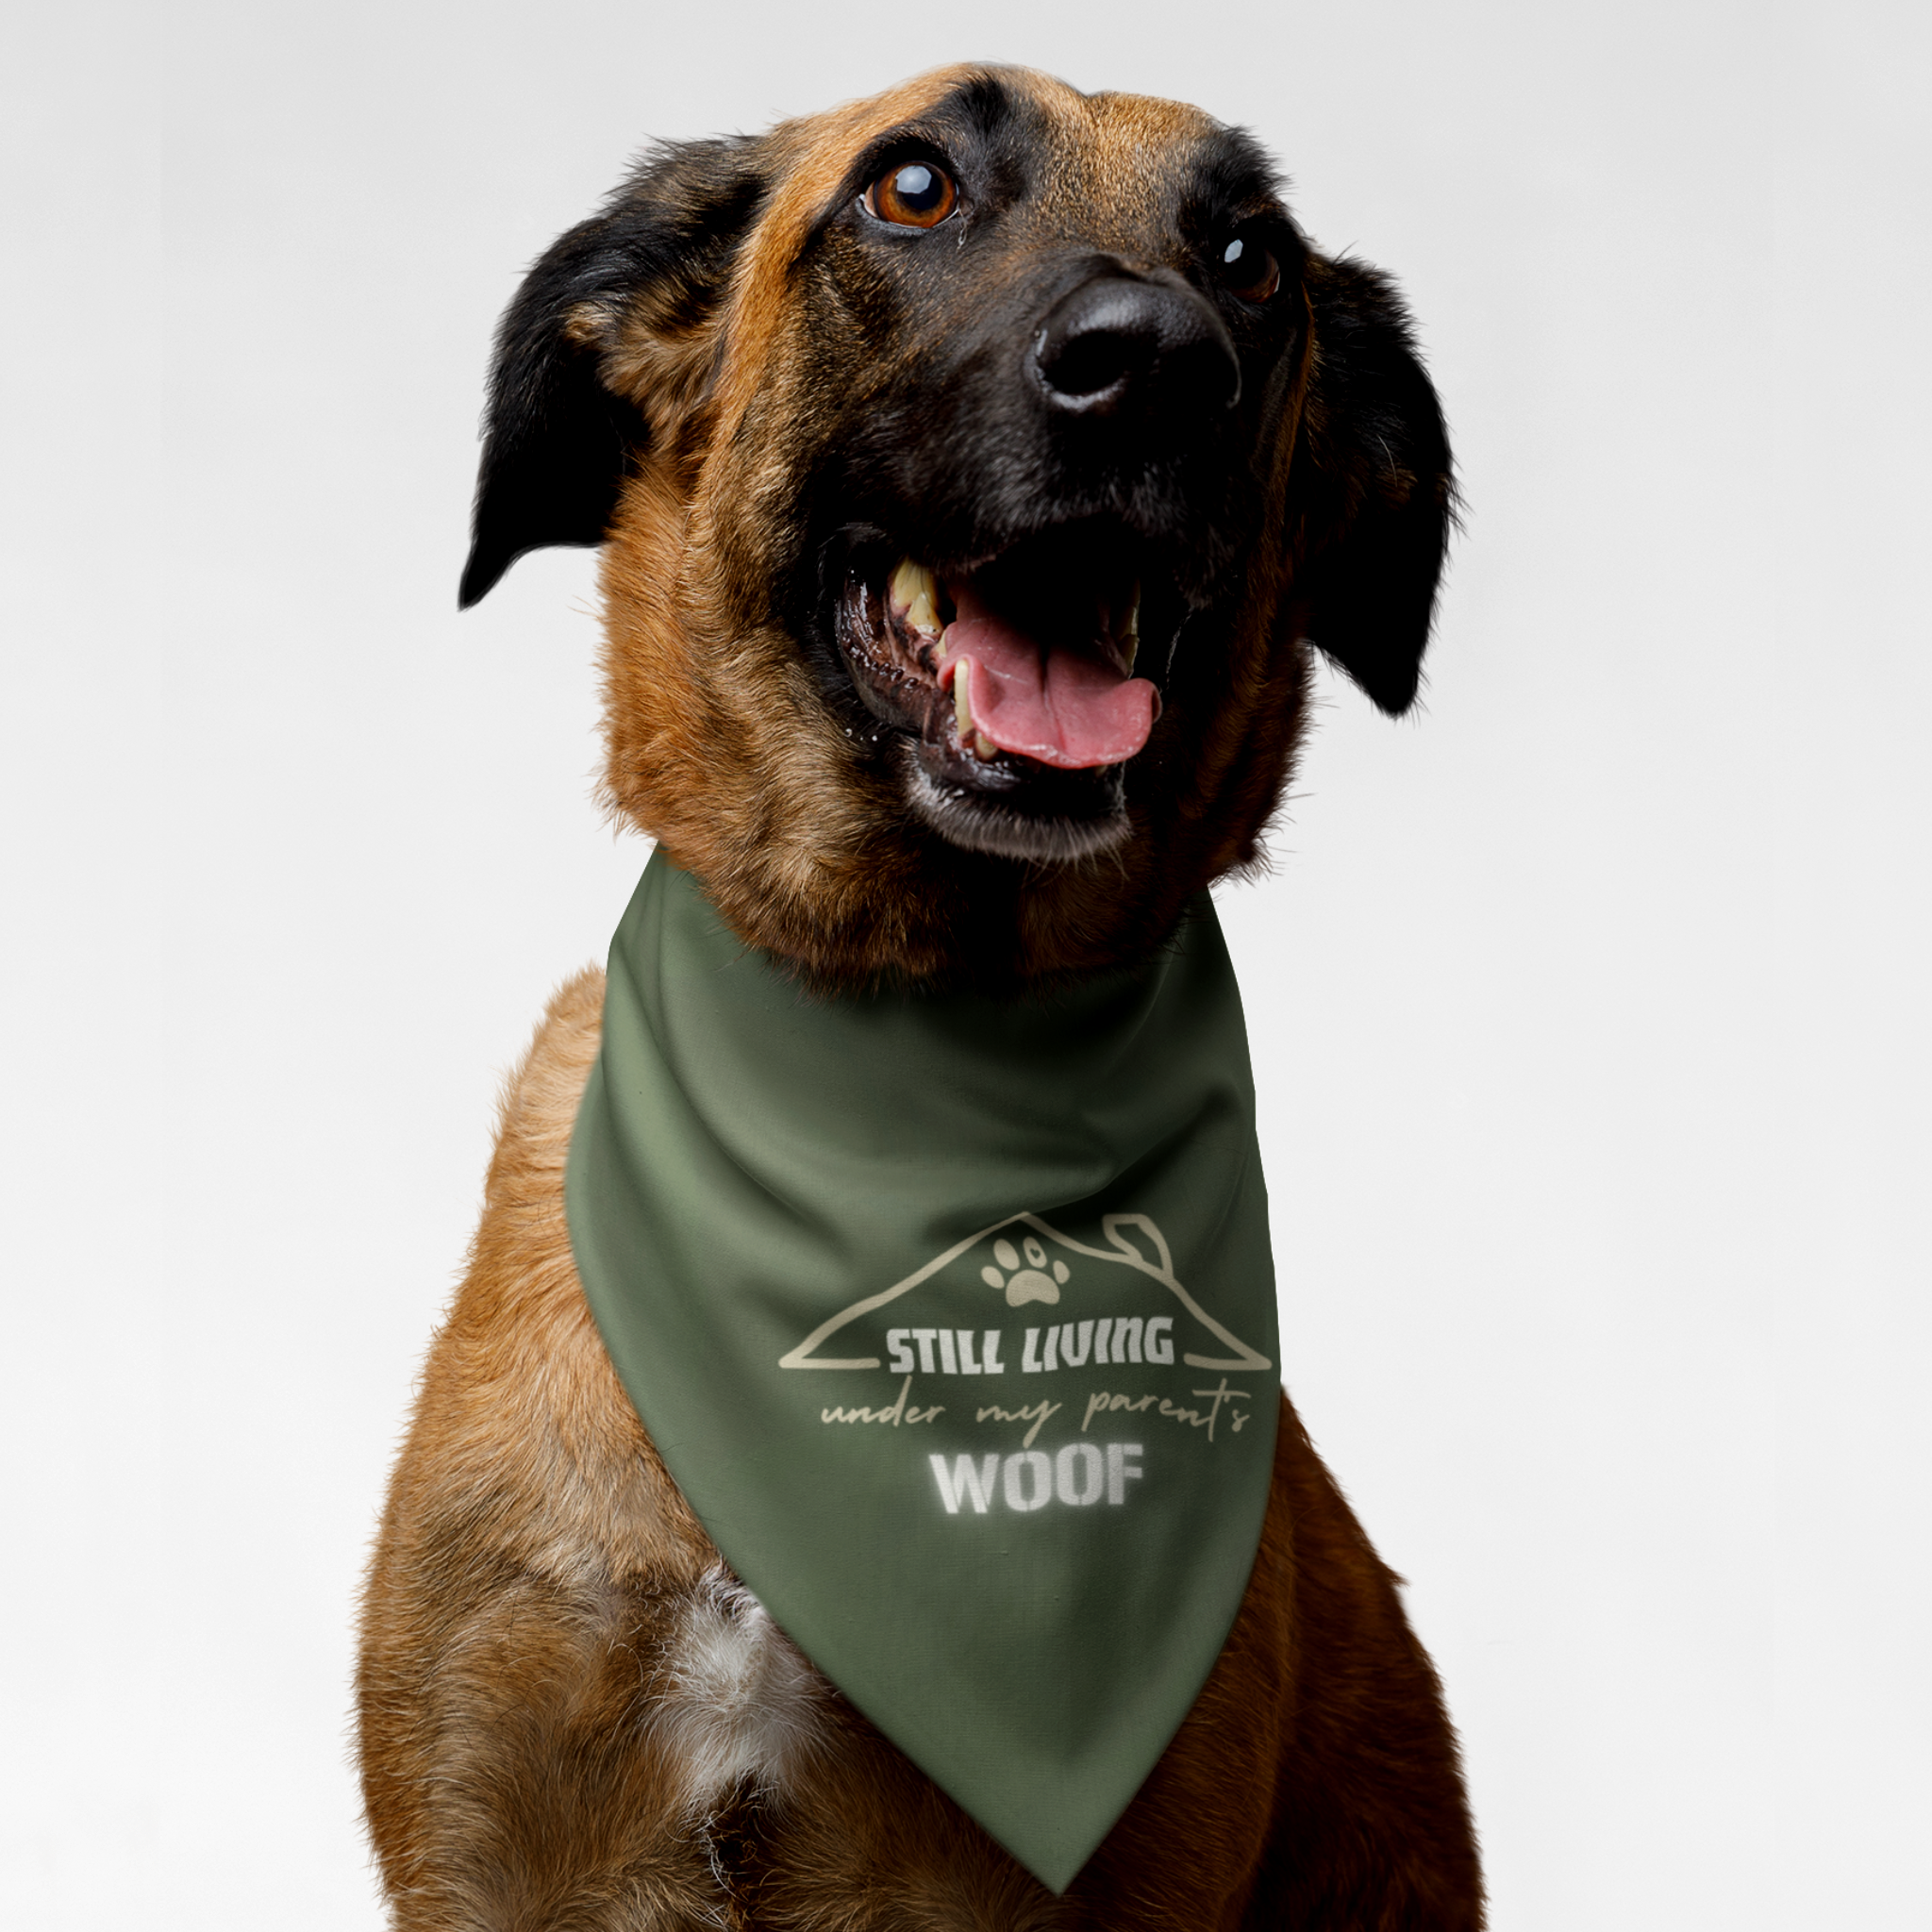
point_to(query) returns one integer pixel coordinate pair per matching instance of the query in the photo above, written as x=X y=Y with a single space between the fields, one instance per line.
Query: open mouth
x=1013 y=687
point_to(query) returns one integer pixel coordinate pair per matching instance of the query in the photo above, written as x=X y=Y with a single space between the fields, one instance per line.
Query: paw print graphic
x=1028 y=1284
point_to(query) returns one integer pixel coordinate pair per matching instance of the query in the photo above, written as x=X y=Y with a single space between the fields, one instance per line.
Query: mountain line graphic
x=1121 y=1251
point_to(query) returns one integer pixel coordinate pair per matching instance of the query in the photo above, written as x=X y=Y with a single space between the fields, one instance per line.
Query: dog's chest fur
x=736 y=1706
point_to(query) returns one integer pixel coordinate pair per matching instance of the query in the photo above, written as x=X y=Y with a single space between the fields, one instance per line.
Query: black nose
x=1119 y=345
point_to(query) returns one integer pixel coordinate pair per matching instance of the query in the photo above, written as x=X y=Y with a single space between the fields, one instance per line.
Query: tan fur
x=571 y=1714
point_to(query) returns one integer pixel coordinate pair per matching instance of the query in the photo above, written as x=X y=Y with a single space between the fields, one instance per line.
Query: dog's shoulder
x=540 y=1099
x=521 y=1415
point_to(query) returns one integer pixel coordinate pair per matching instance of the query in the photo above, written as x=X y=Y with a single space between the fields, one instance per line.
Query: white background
x=1588 y=1004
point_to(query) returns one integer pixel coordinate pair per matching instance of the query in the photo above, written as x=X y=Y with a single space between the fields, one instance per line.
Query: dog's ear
x=569 y=407
x=1376 y=492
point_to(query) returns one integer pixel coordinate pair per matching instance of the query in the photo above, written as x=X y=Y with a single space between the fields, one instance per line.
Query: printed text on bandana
x=1079 y=1474
x=1082 y=1463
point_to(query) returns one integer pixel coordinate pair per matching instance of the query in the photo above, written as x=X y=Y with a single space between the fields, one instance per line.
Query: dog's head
x=974 y=466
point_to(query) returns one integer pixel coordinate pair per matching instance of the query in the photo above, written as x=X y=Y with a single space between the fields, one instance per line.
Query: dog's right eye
x=915 y=195
x=1250 y=269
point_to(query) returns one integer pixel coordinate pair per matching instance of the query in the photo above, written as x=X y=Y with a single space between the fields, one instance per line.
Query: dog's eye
x=915 y=195
x=1249 y=269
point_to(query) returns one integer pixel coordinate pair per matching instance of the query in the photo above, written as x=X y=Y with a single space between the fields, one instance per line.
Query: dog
x=979 y=346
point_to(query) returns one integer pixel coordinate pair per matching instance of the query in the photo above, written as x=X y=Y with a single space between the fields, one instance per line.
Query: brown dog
x=989 y=344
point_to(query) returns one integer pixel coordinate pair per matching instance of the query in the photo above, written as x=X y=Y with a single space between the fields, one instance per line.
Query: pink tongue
x=1060 y=708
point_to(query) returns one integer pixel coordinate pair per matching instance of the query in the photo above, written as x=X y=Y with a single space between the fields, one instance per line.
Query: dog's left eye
x=1249 y=268
x=915 y=195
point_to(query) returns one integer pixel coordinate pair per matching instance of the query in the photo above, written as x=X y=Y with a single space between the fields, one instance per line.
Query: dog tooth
x=1130 y=635
x=962 y=703
x=915 y=590
x=983 y=747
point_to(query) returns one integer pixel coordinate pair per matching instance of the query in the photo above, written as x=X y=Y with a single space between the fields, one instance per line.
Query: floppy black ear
x=1381 y=494
x=557 y=441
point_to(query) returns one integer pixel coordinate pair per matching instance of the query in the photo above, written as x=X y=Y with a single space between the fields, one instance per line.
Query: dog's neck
x=812 y=859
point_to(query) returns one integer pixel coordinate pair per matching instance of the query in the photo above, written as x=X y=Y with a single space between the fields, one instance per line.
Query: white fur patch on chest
x=734 y=1701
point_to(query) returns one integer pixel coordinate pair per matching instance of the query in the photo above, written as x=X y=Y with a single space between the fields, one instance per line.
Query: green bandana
x=954 y=1319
